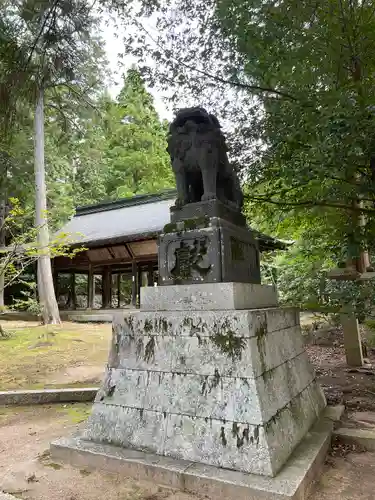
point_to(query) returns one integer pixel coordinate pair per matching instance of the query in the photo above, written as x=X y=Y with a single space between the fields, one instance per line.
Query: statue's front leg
x=181 y=183
x=209 y=176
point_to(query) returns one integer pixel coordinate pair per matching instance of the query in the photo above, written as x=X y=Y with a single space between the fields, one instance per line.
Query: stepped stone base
x=208 y=296
x=293 y=482
x=231 y=389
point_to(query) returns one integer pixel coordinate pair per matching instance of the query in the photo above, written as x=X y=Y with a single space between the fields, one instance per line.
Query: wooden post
x=118 y=290
x=139 y=284
x=90 y=288
x=73 y=298
x=352 y=338
x=150 y=274
x=134 y=283
x=107 y=288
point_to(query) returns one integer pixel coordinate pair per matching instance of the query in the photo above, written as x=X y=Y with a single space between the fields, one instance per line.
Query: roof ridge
x=139 y=199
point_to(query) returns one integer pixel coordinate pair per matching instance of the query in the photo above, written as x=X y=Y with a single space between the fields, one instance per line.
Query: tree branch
x=79 y=94
x=53 y=7
x=218 y=78
x=310 y=204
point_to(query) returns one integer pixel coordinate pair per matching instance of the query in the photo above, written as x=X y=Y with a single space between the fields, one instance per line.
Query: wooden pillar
x=107 y=288
x=90 y=288
x=134 y=283
x=139 y=283
x=150 y=274
x=73 y=298
x=118 y=289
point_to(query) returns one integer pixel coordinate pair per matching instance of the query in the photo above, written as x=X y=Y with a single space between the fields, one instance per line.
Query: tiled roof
x=130 y=219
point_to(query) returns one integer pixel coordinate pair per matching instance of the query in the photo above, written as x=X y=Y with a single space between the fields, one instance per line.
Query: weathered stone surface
x=208 y=296
x=219 y=251
x=236 y=399
x=45 y=396
x=204 y=210
x=128 y=427
x=290 y=425
x=293 y=482
x=197 y=342
x=358 y=437
x=260 y=449
x=241 y=323
x=230 y=445
x=281 y=318
x=232 y=389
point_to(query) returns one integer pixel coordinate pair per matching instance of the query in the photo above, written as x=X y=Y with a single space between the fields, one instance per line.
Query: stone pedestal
x=208 y=386
x=207 y=210
x=232 y=389
x=207 y=250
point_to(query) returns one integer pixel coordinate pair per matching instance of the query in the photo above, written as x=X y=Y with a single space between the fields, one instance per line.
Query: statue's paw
x=208 y=196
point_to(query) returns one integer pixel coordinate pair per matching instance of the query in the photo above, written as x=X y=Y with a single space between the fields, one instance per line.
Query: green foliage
x=295 y=81
x=22 y=250
x=29 y=302
x=136 y=142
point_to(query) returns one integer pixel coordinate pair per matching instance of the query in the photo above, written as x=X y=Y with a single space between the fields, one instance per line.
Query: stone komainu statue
x=199 y=158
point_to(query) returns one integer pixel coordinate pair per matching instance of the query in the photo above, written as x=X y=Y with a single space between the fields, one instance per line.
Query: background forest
x=292 y=82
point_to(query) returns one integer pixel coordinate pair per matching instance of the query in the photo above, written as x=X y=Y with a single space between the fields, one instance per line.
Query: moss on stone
x=182 y=360
x=215 y=380
x=240 y=437
x=227 y=341
x=147 y=325
x=150 y=349
x=187 y=225
x=256 y=435
x=139 y=348
x=235 y=429
x=260 y=337
x=204 y=388
x=170 y=228
x=224 y=441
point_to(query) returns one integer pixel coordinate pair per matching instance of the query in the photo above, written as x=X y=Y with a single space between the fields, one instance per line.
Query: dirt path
x=352 y=387
x=349 y=477
x=27 y=471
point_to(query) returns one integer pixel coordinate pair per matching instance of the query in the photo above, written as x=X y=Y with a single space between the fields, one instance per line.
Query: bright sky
x=120 y=65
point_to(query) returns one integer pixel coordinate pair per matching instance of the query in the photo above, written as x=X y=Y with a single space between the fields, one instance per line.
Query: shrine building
x=119 y=252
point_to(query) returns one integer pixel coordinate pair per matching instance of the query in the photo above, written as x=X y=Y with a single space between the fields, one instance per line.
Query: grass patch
x=30 y=357
x=72 y=413
x=53 y=465
x=76 y=412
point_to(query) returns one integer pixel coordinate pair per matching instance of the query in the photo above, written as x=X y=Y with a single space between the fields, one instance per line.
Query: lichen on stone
x=224 y=441
x=187 y=225
x=260 y=338
x=215 y=380
x=147 y=326
x=240 y=437
x=150 y=349
x=139 y=348
x=227 y=341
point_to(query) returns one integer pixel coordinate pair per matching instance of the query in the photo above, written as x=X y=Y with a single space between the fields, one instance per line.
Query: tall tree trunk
x=2 y=244
x=47 y=297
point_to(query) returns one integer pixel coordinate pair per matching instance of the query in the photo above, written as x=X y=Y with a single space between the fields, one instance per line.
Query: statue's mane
x=197 y=115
